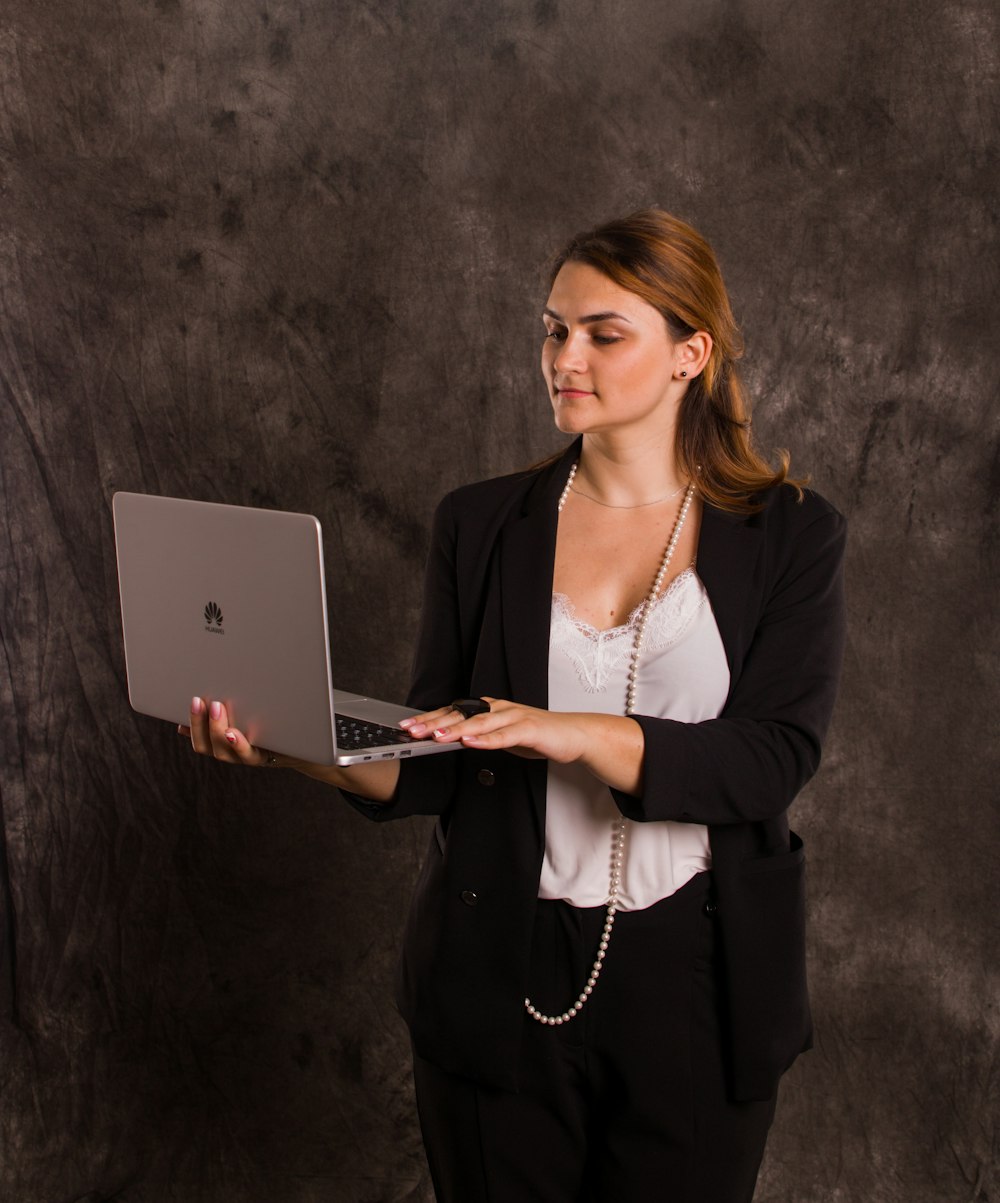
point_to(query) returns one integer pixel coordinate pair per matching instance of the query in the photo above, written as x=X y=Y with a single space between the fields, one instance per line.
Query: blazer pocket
x=778 y=861
x=762 y=919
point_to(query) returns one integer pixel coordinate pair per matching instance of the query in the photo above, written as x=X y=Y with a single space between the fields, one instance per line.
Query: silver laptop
x=229 y=602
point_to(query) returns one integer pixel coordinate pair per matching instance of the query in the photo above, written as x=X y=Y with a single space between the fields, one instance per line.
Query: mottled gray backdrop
x=289 y=253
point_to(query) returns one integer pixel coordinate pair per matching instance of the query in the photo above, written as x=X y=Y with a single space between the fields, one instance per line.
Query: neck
x=629 y=475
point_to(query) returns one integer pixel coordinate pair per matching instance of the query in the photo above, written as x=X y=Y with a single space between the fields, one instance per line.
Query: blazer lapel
x=527 y=560
x=728 y=551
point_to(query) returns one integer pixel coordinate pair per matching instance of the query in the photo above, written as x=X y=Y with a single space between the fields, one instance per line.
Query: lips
x=573 y=392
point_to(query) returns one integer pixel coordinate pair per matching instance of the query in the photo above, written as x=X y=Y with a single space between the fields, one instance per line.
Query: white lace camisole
x=683 y=675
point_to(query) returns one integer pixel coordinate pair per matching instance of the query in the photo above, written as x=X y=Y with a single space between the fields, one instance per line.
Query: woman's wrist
x=613 y=748
x=376 y=782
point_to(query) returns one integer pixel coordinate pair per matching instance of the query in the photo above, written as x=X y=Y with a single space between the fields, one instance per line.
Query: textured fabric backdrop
x=290 y=253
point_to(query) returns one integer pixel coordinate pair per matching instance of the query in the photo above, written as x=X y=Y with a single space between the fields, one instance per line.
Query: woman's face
x=608 y=358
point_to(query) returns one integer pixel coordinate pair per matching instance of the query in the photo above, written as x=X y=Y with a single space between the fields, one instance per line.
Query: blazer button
x=485 y=777
x=710 y=909
x=470 y=897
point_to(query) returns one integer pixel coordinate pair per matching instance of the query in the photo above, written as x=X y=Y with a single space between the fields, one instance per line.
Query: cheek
x=644 y=375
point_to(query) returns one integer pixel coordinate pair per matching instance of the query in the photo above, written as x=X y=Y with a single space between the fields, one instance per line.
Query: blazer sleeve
x=427 y=783
x=749 y=764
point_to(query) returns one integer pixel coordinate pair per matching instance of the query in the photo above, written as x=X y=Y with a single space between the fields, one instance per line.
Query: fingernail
x=407 y=722
x=417 y=728
x=197 y=705
x=215 y=710
x=440 y=730
x=231 y=736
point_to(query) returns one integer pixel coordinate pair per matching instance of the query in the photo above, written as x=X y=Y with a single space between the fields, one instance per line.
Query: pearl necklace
x=618 y=828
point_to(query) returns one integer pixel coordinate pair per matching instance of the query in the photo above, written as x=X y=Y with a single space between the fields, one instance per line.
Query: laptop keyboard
x=353 y=734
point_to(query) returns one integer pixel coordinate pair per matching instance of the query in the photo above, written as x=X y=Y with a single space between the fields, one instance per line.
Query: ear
x=693 y=353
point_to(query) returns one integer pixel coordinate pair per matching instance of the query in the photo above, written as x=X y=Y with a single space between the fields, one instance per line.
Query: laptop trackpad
x=355 y=705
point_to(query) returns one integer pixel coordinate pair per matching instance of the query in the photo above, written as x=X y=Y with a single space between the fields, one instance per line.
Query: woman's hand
x=608 y=745
x=212 y=735
x=523 y=730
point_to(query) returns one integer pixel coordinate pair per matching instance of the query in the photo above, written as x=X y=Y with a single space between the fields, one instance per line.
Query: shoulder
x=488 y=504
x=789 y=531
x=803 y=535
x=785 y=513
x=487 y=496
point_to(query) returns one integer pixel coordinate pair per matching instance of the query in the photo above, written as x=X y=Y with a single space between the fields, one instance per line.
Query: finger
x=229 y=743
x=457 y=726
x=244 y=751
x=434 y=722
x=200 y=739
x=218 y=725
x=444 y=721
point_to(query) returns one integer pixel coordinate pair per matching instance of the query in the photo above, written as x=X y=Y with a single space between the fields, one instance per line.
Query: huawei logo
x=213 y=615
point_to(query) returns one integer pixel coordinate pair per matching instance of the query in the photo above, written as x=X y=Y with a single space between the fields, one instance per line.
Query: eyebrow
x=590 y=318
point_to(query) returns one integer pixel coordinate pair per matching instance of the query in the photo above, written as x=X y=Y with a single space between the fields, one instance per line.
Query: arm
x=747 y=764
x=750 y=763
x=610 y=746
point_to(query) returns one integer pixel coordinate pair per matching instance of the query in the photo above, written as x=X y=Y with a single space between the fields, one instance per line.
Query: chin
x=565 y=426
x=569 y=420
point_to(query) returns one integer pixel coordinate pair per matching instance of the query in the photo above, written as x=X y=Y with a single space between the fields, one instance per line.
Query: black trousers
x=627 y=1103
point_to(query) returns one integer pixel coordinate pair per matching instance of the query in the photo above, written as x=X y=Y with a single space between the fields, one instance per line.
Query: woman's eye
x=605 y=340
x=557 y=335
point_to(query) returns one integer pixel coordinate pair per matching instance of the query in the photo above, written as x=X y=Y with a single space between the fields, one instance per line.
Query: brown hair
x=670 y=266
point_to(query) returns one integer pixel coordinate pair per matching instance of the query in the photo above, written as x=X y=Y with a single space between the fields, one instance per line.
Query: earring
x=683 y=373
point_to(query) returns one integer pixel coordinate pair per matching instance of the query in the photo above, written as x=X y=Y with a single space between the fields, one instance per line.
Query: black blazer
x=775 y=584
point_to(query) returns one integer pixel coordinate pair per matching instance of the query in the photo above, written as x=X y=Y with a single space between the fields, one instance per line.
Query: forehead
x=580 y=290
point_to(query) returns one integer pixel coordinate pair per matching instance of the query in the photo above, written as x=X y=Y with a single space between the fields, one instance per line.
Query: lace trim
x=597 y=654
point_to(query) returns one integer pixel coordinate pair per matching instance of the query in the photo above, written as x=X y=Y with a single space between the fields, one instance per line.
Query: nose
x=569 y=359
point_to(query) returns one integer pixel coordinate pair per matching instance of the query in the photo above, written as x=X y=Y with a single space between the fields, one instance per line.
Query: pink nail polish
x=440 y=730
x=197 y=705
x=230 y=735
x=407 y=722
x=215 y=710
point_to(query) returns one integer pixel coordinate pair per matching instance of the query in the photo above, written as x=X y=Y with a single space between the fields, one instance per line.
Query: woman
x=603 y=970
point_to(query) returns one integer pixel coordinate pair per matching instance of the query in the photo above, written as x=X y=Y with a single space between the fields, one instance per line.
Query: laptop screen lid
x=228 y=602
